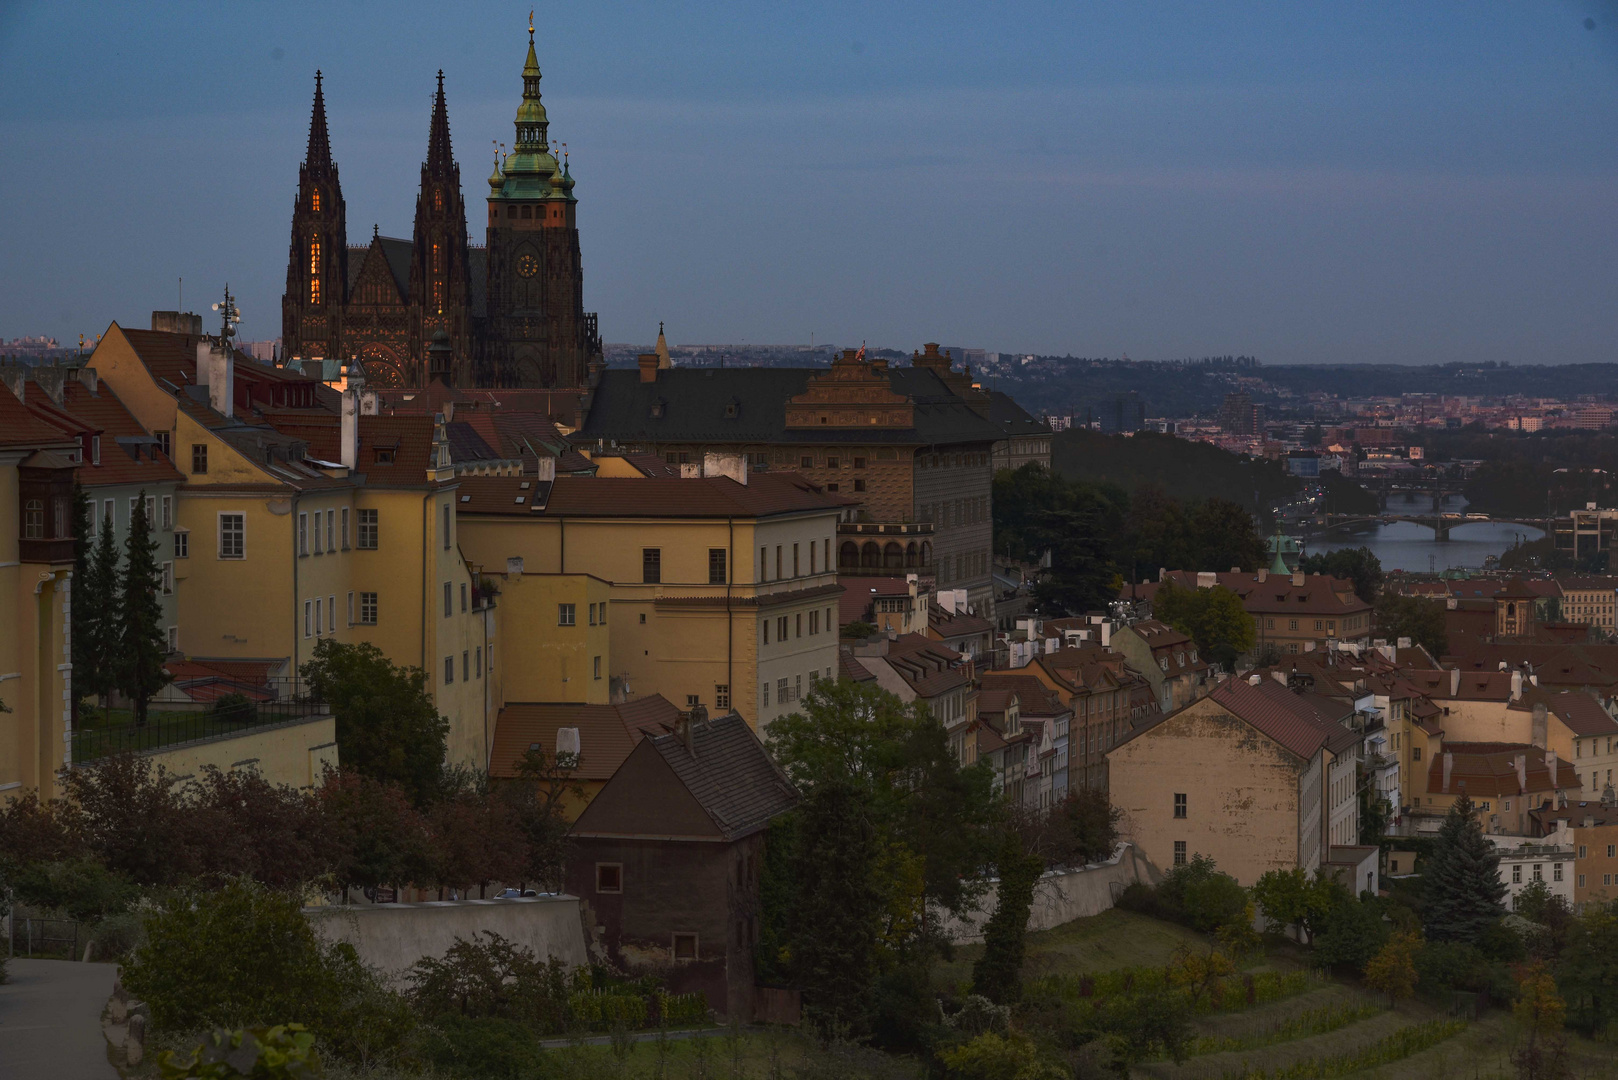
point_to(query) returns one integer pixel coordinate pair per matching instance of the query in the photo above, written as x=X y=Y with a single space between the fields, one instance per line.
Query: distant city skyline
x=1383 y=184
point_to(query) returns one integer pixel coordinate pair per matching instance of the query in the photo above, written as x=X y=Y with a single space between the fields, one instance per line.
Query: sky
x=1305 y=183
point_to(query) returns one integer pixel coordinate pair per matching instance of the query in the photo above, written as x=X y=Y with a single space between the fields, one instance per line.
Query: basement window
x=685 y=946
x=609 y=877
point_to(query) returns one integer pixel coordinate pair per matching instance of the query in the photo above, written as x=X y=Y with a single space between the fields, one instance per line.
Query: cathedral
x=512 y=311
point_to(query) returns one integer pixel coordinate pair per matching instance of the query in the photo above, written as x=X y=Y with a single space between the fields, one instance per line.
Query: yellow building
x=297 y=522
x=36 y=571
x=719 y=591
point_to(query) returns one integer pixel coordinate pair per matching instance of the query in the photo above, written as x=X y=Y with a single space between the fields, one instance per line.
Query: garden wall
x=1061 y=895
x=394 y=936
x=295 y=754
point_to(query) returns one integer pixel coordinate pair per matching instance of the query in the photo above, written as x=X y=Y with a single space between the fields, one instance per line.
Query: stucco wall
x=1061 y=896
x=392 y=937
x=293 y=754
x=1242 y=793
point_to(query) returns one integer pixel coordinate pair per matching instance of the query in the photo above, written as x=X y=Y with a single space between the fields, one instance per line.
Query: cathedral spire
x=318 y=156
x=440 y=161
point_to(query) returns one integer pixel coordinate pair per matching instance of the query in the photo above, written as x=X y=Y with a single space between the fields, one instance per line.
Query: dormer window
x=384 y=455
x=657 y=410
x=733 y=408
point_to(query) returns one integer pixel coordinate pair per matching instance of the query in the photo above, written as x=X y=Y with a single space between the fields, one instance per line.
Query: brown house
x=666 y=859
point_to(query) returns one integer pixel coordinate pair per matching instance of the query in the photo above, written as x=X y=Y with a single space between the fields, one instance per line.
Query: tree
x=1158 y=533
x=1415 y=617
x=142 y=641
x=1358 y=565
x=1392 y=971
x=997 y=975
x=1375 y=811
x=97 y=620
x=1082 y=828
x=1589 y=968
x=1202 y=895
x=378 y=838
x=538 y=797
x=1540 y=1013
x=479 y=837
x=134 y=819
x=1225 y=537
x=1352 y=934
x=1294 y=898
x=1139 y=1026
x=1464 y=890
x=1197 y=973
x=915 y=791
x=245 y=825
x=1214 y=618
x=838 y=915
x=387 y=725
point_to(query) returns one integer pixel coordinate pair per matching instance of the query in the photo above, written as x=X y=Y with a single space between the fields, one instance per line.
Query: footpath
x=50 y=1020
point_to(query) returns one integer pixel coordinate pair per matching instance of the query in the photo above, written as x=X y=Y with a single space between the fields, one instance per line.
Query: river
x=1404 y=545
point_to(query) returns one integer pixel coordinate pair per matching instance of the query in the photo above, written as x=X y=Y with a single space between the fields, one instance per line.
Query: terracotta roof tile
x=607 y=733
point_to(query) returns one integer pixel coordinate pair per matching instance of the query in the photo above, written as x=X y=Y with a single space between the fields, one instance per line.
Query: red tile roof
x=20 y=427
x=607 y=733
x=1490 y=769
x=764 y=494
x=1299 y=722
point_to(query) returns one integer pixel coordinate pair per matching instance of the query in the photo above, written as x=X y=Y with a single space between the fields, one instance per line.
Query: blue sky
x=1404 y=183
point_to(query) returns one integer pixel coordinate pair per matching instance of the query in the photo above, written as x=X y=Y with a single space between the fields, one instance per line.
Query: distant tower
x=317 y=270
x=440 y=273
x=538 y=332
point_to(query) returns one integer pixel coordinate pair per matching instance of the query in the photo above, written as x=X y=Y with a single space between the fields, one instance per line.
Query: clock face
x=527 y=266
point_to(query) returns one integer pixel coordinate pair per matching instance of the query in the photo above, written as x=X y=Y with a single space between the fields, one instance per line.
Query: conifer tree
x=141 y=645
x=1464 y=890
x=96 y=620
x=839 y=917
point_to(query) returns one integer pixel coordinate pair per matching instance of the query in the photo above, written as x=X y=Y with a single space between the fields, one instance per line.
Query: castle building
x=512 y=311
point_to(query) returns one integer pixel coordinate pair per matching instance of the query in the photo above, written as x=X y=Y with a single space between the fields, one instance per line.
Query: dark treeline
x=1188 y=471
x=1099 y=535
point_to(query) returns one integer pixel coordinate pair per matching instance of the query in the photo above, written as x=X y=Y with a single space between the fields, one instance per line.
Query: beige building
x=36 y=610
x=1167 y=659
x=1590 y=600
x=720 y=591
x=1296 y=613
x=1255 y=775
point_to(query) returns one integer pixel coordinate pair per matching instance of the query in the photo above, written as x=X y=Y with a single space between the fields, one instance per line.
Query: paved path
x=50 y=1020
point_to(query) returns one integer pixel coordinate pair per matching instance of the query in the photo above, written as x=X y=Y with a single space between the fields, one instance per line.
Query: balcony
x=885 y=549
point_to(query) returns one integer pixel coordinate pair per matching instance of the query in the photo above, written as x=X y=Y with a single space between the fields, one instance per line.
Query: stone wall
x=295 y=754
x=1061 y=895
x=392 y=937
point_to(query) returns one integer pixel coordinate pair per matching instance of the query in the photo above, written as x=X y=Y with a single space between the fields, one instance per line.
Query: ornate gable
x=851 y=394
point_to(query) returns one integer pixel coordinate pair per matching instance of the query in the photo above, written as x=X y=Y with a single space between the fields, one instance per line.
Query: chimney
x=349 y=431
x=1106 y=634
x=1254 y=680
x=1454 y=681
x=547 y=469
x=1404 y=643
x=216 y=369
x=1449 y=765
x=1522 y=774
x=1263 y=575
x=91 y=380
x=648 y=367
x=1537 y=731
x=15 y=376
x=731 y=465
x=1516 y=685
x=1298 y=580
x=1550 y=767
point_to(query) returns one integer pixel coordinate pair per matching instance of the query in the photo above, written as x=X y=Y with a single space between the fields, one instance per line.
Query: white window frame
x=182 y=543
x=345 y=528
x=308 y=614
x=240 y=519
x=168 y=578
x=331 y=614
x=331 y=530
x=351 y=607
x=376 y=605
x=168 y=511
x=303 y=532
x=318 y=621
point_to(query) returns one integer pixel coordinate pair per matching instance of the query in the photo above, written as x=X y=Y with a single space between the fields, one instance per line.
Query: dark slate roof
x=730 y=775
x=465 y=444
x=395 y=251
x=1011 y=418
x=694 y=402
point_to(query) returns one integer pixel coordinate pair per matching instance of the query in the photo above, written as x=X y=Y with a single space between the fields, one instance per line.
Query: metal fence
x=219 y=707
x=45 y=937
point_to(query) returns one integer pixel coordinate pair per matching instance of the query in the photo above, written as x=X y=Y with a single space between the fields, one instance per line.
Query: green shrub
x=682 y=1009
x=991 y=1056
x=246 y=955
x=117 y=936
x=1198 y=894
x=82 y=889
x=481 y=1048
x=234 y=708
x=1396 y=1047
x=1446 y=966
x=285 y=1052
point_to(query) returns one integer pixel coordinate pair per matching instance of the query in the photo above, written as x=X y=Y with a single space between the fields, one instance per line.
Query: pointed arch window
x=314 y=200
x=438 y=198
x=314 y=271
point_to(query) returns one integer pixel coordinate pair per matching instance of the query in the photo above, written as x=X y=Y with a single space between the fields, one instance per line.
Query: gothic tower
x=538 y=333
x=440 y=271
x=317 y=271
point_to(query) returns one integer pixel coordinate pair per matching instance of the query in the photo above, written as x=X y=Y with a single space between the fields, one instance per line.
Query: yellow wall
x=1242 y=792
x=546 y=660
x=294 y=754
x=35 y=656
x=117 y=364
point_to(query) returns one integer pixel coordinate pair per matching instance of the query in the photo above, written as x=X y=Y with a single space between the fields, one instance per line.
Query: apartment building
x=1590 y=600
x=1255 y=775
x=298 y=519
x=1167 y=659
x=720 y=590
x=1296 y=613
